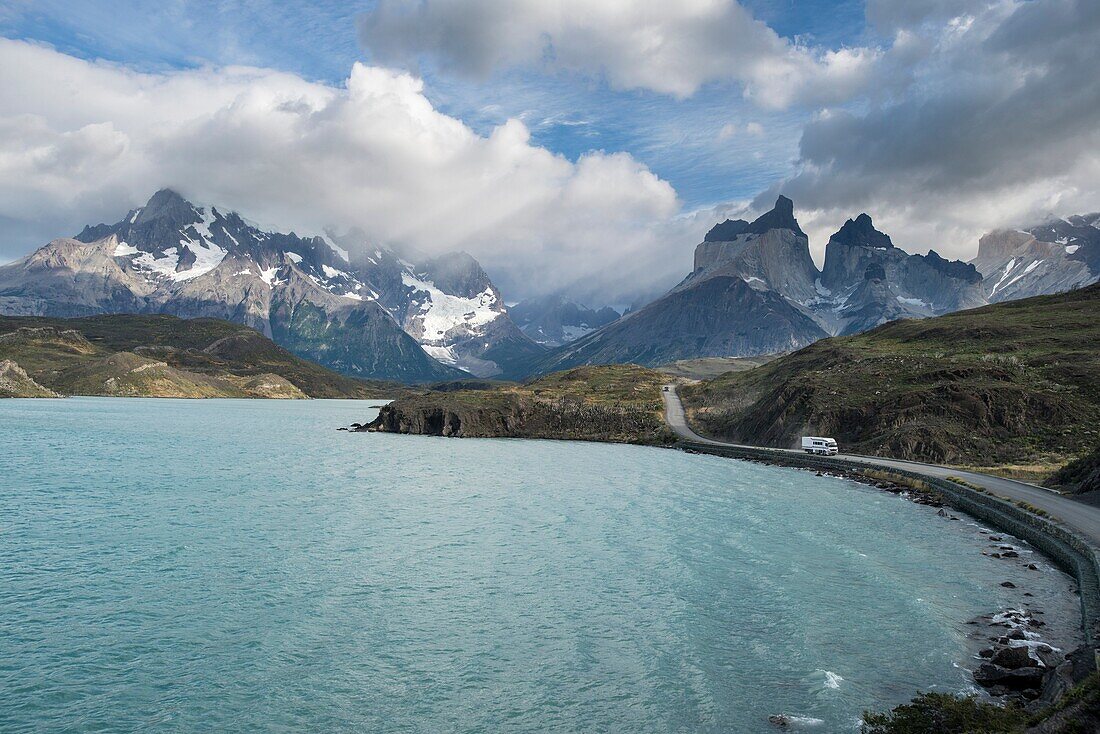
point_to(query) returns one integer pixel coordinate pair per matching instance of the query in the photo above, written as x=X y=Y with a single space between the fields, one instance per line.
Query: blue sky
x=681 y=140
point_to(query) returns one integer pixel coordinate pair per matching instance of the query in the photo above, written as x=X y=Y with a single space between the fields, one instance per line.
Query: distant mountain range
x=361 y=311
x=755 y=290
x=366 y=311
x=555 y=320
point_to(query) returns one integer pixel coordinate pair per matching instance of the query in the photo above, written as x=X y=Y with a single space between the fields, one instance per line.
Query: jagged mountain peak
x=861 y=232
x=165 y=203
x=726 y=231
x=458 y=273
x=953 y=268
x=781 y=216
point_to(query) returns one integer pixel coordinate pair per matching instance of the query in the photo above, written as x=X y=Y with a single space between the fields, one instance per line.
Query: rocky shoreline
x=1012 y=662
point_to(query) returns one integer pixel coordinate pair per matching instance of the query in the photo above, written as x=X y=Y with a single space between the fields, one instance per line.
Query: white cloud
x=83 y=142
x=667 y=47
x=992 y=119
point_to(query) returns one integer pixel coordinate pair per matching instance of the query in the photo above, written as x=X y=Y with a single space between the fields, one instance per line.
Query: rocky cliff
x=620 y=403
x=16 y=383
x=1056 y=256
x=867 y=281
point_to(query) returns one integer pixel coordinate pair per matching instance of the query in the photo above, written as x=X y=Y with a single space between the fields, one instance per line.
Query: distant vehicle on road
x=666 y=388
x=819 y=445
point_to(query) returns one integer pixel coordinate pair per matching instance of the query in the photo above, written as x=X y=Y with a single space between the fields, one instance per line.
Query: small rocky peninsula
x=618 y=403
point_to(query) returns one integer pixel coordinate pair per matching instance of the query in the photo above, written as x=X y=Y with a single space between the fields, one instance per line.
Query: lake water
x=196 y=566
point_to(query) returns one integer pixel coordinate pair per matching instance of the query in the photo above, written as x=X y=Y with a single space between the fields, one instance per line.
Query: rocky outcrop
x=1081 y=476
x=1015 y=661
x=15 y=383
x=726 y=231
x=618 y=403
x=770 y=253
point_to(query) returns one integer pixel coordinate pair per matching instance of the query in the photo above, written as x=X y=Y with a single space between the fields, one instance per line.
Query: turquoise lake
x=198 y=566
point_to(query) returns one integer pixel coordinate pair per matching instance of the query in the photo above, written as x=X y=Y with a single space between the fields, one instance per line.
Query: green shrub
x=941 y=713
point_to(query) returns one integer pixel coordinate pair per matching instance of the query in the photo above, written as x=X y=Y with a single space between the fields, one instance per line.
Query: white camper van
x=819 y=445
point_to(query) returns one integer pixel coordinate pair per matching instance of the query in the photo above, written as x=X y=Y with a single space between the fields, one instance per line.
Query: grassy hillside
x=605 y=403
x=163 y=356
x=1016 y=383
x=1079 y=477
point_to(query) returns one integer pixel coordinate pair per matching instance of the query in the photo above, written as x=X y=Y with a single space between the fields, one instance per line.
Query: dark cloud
x=999 y=123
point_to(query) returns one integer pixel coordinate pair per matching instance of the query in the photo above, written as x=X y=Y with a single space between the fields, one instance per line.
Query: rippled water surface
x=200 y=566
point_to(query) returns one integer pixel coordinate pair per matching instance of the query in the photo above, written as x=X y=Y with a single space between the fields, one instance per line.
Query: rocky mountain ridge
x=754 y=289
x=555 y=320
x=1058 y=255
x=372 y=314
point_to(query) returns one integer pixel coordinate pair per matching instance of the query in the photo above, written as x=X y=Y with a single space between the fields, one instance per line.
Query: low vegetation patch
x=942 y=713
x=1080 y=476
x=1077 y=712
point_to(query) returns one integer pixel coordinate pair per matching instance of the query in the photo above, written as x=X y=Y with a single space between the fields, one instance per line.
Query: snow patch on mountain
x=441 y=312
x=1008 y=269
x=446 y=355
x=268 y=276
x=340 y=251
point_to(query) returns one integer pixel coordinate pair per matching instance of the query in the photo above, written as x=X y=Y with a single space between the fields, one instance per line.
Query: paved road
x=1081 y=517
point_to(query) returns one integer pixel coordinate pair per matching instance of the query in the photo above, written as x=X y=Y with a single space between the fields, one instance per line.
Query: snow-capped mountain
x=555 y=320
x=1058 y=255
x=450 y=306
x=755 y=290
x=306 y=293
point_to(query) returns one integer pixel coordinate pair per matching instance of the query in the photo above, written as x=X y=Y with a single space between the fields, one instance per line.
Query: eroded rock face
x=1018 y=264
x=15 y=383
x=777 y=259
x=867 y=281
